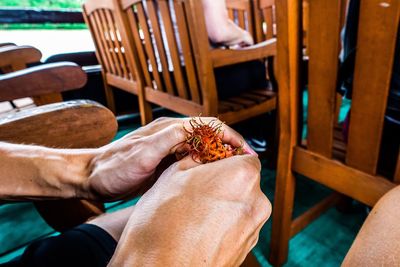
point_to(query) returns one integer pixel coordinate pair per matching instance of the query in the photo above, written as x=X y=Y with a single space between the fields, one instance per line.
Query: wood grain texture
x=160 y=46
x=372 y=76
x=93 y=5
x=350 y=180
x=237 y=4
x=39 y=80
x=288 y=76
x=187 y=52
x=173 y=49
x=181 y=46
x=224 y=57
x=323 y=68
x=359 y=185
x=17 y=57
x=72 y=124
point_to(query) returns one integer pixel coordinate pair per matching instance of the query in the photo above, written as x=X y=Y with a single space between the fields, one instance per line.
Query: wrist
x=65 y=171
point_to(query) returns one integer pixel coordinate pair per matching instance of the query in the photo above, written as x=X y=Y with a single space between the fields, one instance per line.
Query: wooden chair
x=181 y=78
x=73 y=124
x=348 y=168
x=115 y=59
x=264 y=19
x=14 y=57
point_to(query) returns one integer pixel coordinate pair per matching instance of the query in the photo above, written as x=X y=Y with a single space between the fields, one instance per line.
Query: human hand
x=197 y=215
x=126 y=165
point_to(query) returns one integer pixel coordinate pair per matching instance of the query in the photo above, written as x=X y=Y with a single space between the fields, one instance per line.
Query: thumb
x=187 y=163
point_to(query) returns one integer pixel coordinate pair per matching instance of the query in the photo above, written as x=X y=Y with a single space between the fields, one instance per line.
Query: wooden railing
x=34 y=15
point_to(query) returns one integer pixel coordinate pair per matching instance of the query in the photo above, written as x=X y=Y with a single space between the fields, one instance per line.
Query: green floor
x=323 y=243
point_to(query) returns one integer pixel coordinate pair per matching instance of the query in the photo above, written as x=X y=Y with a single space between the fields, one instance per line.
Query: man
x=193 y=215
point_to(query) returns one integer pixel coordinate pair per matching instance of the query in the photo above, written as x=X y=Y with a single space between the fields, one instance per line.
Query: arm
x=110 y=172
x=220 y=28
x=33 y=172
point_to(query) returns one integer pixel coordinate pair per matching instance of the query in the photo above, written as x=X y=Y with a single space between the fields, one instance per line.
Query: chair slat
x=173 y=49
x=250 y=20
x=372 y=75
x=266 y=3
x=109 y=42
x=187 y=52
x=268 y=17
x=149 y=46
x=241 y=19
x=155 y=25
x=237 y=4
x=323 y=68
x=116 y=44
x=97 y=29
x=258 y=22
x=133 y=21
x=231 y=14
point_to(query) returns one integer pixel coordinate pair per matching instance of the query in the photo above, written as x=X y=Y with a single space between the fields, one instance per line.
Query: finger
x=187 y=163
x=233 y=138
x=229 y=136
x=154 y=127
x=166 y=141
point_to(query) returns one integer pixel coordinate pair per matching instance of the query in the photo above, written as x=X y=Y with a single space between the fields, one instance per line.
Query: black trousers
x=85 y=245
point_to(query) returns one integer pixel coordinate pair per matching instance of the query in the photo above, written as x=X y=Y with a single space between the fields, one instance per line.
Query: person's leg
x=377 y=243
x=113 y=223
x=89 y=244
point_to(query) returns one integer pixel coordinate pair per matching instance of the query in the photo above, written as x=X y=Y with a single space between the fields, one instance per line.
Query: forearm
x=220 y=28
x=34 y=172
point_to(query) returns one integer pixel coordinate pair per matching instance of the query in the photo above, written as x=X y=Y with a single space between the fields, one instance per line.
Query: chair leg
x=109 y=97
x=146 y=112
x=282 y=216
x=250 y=261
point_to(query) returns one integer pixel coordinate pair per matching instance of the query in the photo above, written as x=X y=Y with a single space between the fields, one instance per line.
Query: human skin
x=107 y=173
x=197 y=215
x=220 y=28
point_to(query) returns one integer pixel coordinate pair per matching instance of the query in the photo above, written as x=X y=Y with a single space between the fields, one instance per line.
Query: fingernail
x=249 y=150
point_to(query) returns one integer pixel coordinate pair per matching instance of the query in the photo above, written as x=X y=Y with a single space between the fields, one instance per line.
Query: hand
x=208 y=215
x=126 y=166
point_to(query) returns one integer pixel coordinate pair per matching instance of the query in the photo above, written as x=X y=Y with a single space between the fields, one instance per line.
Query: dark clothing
x=349 y=36
x=85 y=245
x=236 y=79
x=391 y=130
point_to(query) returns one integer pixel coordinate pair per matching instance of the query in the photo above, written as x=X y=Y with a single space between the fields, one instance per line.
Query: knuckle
x=249 y=168
x=263 y=209
x=161 y=119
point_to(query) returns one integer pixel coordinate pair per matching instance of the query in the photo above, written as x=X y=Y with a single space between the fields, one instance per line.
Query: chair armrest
x=7 y=44
x=41 y=80
x=70 y=124
x=18 y=56
x=224 y=57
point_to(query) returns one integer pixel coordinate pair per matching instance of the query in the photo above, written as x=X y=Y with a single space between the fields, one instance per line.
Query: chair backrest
x=264 y=19
x=377 y=30
x=241 y=12
x=15 y=57
x=176 y=62
x=110 y=50
x=160 y=33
